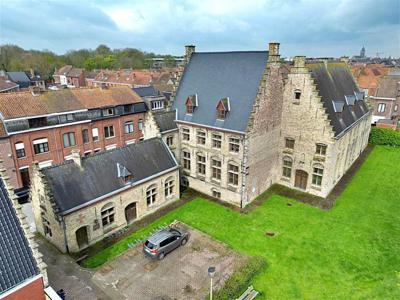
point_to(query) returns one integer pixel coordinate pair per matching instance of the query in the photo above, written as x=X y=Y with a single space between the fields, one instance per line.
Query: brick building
x=70 y=76
x=247 y=120
x=79 y=202
x=386 y=101
x=47 y=126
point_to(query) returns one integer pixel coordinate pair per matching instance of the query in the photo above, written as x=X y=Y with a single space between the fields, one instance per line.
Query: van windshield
x=150 y=245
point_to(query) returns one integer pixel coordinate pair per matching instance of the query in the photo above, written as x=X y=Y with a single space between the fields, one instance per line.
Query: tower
x=362 y=52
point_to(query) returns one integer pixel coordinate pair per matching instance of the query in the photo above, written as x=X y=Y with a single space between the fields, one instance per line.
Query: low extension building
x=80 y=202
x=7 y=86
x=46 y=126
x=247 y=120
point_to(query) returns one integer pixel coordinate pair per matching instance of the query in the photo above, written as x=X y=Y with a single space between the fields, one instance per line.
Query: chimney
x=299 y=61
x=273 y=52
x=76 y=157
x=189 y=50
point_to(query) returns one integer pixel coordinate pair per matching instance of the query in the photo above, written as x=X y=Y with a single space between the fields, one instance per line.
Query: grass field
x=349 y=252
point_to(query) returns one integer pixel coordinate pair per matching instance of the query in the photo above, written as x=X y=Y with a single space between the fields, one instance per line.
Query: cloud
x=311 y=27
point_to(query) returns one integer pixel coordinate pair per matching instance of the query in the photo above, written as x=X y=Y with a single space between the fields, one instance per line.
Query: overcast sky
x=303 y=27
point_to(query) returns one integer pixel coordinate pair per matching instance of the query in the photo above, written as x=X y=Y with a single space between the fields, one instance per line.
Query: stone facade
x=83 y=227
x=306 y=124
x=318 y=158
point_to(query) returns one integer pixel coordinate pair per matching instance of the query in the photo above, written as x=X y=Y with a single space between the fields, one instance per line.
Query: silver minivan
x=164 y=241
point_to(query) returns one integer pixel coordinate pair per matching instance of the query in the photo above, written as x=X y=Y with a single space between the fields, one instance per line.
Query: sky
x=318 y=28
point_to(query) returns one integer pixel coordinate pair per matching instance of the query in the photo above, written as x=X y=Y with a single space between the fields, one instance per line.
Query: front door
x=301 y=179
x=82 y=237
x=130 y=212
x=25 y=177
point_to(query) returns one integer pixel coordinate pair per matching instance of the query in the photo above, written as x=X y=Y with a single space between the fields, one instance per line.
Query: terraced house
x=47 y=126
x=248 y=120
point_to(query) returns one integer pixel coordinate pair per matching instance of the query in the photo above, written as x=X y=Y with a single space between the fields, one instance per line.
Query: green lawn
x=349 y=252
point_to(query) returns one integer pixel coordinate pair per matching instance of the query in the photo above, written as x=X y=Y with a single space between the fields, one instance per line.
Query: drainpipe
x=244 y=168
x=64 y=227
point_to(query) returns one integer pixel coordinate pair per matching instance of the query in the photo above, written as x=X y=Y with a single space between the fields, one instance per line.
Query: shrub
x=384 y=136
x=241 y=279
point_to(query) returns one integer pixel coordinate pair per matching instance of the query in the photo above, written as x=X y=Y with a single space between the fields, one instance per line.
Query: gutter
x=119 y=190
x=352 y=125
x=212 y=127
x=170 y=130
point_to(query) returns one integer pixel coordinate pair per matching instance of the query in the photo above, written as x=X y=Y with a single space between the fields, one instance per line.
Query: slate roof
x=24 y=104
x=18 y=77
x=389 y=86
x=17 y=263
x=334 y=82
x=165 y=120
x=216 y=75
x=147 y=91
x=74 y=187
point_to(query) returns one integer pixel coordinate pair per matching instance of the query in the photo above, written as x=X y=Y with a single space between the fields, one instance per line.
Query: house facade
x=386 y=101
x=70 y=76
x=46 y=127
x=247 y=120
x=78 y=203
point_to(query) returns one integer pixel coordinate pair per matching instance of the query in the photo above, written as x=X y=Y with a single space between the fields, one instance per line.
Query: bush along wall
x=384 y=136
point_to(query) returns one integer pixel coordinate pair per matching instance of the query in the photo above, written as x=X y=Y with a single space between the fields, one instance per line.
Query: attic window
x=297 y=95
x=191 y=104
x=223 y=107
x=124 y=173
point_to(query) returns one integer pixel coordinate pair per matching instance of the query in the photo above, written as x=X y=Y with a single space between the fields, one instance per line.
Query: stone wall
x=205 y=183
x=90 y=217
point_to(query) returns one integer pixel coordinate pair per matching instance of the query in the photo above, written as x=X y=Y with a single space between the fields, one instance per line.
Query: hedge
x=241 y=279
x=384 y=136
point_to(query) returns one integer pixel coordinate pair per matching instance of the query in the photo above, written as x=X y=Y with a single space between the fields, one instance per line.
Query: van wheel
x=184 y=241
x=161 y=256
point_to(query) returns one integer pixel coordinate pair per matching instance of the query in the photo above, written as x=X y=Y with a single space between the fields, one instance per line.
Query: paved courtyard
x=181 y=275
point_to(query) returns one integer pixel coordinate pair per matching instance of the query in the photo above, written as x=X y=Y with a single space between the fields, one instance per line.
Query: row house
x=79 y=202
x=46 y=127
x=70 y=76
x=386 y=101
x=248 y=120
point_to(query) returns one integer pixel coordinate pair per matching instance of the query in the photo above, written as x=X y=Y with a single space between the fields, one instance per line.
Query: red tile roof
x=24 y=104
x=367 y=76
x=7 y=85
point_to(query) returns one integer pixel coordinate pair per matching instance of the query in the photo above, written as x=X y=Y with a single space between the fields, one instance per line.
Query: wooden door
x=82 y=237
x=130 y=212
x=25 y=177
x=301 y=179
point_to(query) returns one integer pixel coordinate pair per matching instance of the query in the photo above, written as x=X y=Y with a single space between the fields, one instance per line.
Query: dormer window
x=223 y=107
x=124 y=173
x=191 y=104
x=108 y=112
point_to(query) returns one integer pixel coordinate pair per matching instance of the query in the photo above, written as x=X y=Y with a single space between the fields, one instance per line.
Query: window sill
x=235 y=153
x=216 y=181
x=319 y=157
x=288 y=151
x=70 y=146
x=232 y=188
x=285 y=179
x=22 y=157
x=201 y=177
x=316 y=187
x=42 y=153
x=110 y=137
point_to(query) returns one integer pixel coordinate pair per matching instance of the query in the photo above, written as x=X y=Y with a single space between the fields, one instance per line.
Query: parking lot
x=182 y=274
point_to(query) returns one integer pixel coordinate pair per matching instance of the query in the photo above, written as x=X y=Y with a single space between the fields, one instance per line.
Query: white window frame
x=129 y=125
x=95 y=134
x=169 y=187
x=381 y=107
x=151 y=195
x=157 y=104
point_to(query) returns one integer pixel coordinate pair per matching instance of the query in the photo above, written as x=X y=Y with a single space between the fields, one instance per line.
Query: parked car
x=164 y=241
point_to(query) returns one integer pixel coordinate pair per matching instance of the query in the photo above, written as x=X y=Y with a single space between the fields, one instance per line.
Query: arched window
x=107 y=214
x=169 y=187
x=151 y=195
x=287 y=167
x=318 y=172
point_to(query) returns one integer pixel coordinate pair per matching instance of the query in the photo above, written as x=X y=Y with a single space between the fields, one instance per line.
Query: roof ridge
x=240 y=51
